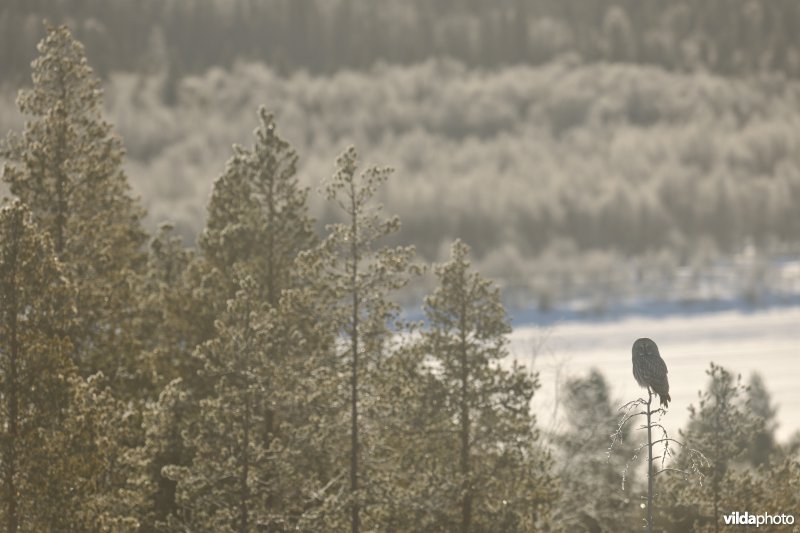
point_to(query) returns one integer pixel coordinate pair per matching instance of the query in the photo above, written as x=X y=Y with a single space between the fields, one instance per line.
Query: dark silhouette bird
x=650 y=370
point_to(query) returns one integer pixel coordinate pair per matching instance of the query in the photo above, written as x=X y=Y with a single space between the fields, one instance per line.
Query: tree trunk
x=649 y=465
x=466 y=501
x=59 y=231
x=354 y=517
x=11 y=386
x=244 y=490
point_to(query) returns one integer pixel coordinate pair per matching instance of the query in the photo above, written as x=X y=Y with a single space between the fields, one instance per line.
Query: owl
x=650 y=370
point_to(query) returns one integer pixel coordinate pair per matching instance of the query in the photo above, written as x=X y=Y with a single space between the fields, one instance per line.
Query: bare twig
x=629 y=412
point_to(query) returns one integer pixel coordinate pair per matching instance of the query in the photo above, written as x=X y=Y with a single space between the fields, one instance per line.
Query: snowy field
x=765 y=341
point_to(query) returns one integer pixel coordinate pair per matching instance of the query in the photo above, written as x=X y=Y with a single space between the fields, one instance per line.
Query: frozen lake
x=766 y=341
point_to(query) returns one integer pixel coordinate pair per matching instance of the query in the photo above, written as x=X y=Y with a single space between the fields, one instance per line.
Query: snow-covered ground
x=765 y=341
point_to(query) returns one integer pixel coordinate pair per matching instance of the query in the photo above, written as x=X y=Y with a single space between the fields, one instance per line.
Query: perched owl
x=650 y=370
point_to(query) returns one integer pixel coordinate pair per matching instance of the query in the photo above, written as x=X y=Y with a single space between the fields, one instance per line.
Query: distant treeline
x=622 y=157
x=188 y=36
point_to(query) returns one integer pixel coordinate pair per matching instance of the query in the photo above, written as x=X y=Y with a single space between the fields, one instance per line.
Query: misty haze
x=379 y=265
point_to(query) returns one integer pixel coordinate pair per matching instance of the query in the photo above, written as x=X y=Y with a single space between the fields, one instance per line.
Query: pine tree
x=165 y=423
x=762 y=445
x=498 y=474
x=592 y=497
x=225 y=487
x=169 y=323
x=258 y=443
x=412 y=442
x=720 y=427
x=257 y=224
x=357 y=277
x=54 y=453
x=258 y=216
x=66 y=167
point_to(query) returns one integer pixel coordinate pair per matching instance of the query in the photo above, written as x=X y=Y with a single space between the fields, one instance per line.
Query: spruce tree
x=67 y=167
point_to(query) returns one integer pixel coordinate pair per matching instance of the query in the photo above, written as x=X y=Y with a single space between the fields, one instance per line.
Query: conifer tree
x=165 y=423
x=357 y=276
x=66 y=166
x=257 y=224
x=592 y=497
x=413 y=443
x=499 y=475
x=225 y=487
x=258 y=443
x=169 y=324
x=762 y=443
x=720 y=427
x=55 y=450
x=258 y=216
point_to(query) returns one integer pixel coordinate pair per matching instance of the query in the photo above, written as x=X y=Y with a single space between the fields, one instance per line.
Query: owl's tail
x=665 y=399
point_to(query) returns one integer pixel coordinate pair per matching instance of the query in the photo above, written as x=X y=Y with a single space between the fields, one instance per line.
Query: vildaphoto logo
x=763 y=519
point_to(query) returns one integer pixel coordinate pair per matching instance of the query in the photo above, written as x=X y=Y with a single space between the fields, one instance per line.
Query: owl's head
x=645 y=346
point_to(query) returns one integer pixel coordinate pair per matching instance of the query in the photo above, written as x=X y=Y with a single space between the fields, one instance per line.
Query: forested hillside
x=563 y=178
x=588 y=153
x=188 y=36
x=263 y=380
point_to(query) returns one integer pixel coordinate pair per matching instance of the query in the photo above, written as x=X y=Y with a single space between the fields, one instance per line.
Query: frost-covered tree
x=720 y=427
x=258 y=216
x=67 y=167
x=257 y=224
x=729 y=421
x=495 y=472
x=762 y=443
x=226 y=486
x=357 y=275
x=412 y=444
x=594 y=497
x=58 y=440
x=36 y=314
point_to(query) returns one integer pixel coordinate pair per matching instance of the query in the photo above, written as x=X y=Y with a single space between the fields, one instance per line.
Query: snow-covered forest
x=221 y=311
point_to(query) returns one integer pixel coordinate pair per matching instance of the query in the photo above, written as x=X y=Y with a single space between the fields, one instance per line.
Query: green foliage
x=165 y=423
x=66 y=167
x=257 y=224
x=172 y=322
